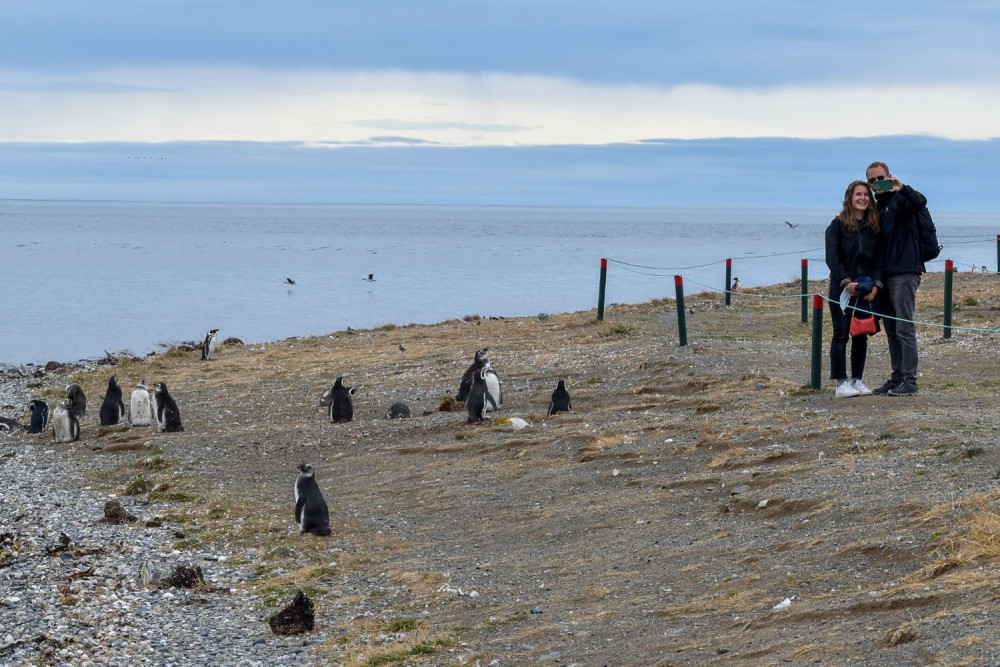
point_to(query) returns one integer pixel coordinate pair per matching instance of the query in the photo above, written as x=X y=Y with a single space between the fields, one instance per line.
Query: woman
x=853 y=250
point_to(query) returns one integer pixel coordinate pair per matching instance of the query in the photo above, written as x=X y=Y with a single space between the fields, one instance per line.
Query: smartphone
x=882 y=186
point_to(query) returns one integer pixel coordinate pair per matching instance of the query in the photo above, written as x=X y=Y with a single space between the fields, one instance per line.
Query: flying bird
x=289 y=281
x=790 y=224
x=370 y=278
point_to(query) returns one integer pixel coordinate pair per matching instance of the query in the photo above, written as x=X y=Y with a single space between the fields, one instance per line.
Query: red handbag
x=862 y=326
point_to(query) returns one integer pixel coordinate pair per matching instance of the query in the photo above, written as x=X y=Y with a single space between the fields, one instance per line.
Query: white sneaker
x=846 y=390
x=860 y=386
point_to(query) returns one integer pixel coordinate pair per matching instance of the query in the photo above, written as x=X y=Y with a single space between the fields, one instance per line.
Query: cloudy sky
x=481 y=101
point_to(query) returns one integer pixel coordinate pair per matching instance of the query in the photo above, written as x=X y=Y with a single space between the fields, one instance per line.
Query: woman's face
x=860 y=200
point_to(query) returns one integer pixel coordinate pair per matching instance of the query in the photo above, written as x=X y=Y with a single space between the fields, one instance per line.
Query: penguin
x=560 y=400
x=77 y=400
x=480 y=397
x=65 y=425
x=139 y=408
x=209 y=344
x=492 y=379
x=39 y=415
x=398 y=410
x=311 y=512
x=113 y=408
x=168 y=417
x=341 y=406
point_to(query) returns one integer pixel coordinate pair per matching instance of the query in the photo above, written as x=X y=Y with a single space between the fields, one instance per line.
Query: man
x=901 y=267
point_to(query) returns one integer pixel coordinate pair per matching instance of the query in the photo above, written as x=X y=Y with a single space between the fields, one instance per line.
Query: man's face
x=874 y=174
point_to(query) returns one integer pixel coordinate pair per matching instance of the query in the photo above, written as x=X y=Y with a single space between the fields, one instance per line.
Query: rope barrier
x=927 y=324
x=762 y=296
x=701 y=266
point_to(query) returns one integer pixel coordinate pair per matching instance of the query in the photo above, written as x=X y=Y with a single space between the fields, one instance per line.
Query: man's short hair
x=878 y=164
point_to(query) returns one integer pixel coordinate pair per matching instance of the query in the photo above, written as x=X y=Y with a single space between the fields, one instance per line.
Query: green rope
x=926 y=324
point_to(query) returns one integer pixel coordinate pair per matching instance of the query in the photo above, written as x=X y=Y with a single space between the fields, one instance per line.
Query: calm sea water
x=80 y=278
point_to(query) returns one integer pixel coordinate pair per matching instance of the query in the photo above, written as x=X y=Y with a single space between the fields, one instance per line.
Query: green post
x=805 y=291
x=816 y=381
x=600 y=292
x=949 y=272
x=729 y=280
x=998 y=253
x=681 y=324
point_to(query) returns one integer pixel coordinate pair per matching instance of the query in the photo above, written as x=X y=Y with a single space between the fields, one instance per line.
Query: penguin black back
x=311 y=511
x=480 y=360
x=113 y=408
x=398 y=410
x=480 y=398
x=560 y=400
x=77 y=399
x=39 y=415
x=341 y=405
x=168 y=416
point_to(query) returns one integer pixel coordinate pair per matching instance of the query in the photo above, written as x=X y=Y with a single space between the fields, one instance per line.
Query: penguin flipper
x=300 y=503
x=489 y=397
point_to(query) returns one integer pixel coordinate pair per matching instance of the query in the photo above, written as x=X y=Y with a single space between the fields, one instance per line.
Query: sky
x=547 y=102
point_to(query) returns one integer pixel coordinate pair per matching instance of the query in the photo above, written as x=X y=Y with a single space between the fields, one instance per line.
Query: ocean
x=82 y=278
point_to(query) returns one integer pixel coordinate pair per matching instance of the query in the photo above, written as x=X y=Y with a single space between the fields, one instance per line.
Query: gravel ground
x=70 y=592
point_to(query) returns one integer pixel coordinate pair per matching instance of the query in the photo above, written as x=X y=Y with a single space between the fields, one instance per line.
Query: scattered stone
x=536 y=610
x=155 y=522
x=741 y=489
x=509 y=423
x=116 y=515
x=148 y=576
x=53 y=366
x=294 y=619
x=762 y=504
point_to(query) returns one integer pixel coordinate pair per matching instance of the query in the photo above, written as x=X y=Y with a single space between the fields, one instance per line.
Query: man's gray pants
x=901 y=291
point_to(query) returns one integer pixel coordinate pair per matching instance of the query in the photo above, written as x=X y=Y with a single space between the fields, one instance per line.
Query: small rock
x=536 y=610
x=740 y=489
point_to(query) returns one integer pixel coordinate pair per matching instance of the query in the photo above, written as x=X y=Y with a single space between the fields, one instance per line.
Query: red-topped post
x=805 y=291
x=681 y=323
x=816 y=381
x=949 y=272
x=729 y=280
x=600 y=291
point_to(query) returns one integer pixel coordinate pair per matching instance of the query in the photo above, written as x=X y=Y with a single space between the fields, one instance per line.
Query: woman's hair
x=870 y=219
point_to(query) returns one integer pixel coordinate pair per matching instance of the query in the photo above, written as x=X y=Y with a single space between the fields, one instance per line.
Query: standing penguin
x=39 y=415
x=479 y=362
x=341 y=406
x=78 y=400
x=140 y=413
x=209 y=344
x=480 y=398
x=113 y=408
x=560 y=400
x=168 y=417
x=65 y=425
x=311 y=512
